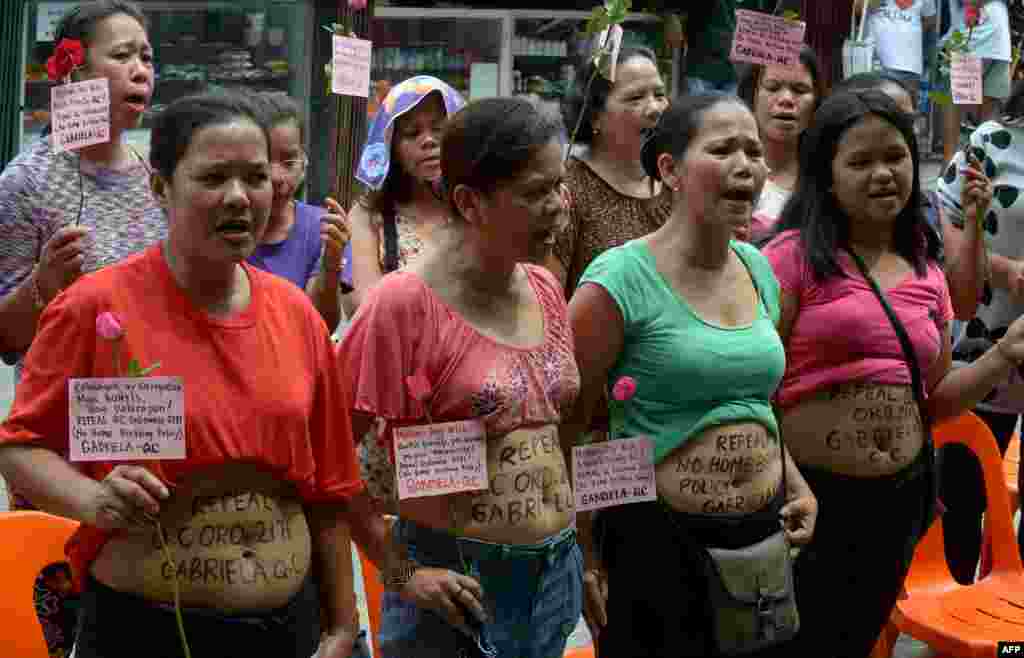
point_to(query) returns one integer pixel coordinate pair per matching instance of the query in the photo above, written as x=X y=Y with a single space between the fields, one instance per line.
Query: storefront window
x=464 y=52
x=546 y=52
x=258 y=45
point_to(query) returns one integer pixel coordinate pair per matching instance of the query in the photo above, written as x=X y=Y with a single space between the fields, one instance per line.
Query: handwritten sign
x=80 y=114
x=766 y=39
x=611 y=39
x=350 y=66
x=965 y=79
x=127 y=418
x=613 y=473
x=439 y=459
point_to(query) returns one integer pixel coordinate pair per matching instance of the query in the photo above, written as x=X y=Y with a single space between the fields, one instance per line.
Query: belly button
x=248 y=554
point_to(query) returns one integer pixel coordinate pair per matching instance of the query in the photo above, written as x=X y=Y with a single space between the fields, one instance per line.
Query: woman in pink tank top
x=847 y=404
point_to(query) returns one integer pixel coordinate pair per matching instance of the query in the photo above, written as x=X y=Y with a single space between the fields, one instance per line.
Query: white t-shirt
x=898 y=33
x=991 y=36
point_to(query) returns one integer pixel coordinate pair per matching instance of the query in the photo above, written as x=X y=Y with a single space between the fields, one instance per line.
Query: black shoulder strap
x=908 y=349
x=389 y=222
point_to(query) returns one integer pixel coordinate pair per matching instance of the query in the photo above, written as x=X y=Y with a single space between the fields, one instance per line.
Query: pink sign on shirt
x=765 y=39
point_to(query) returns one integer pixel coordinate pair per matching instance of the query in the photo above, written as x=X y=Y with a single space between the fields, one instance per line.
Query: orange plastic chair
x=29 y=542
x=375 y=590
x=958 y=620
x=1011 y=465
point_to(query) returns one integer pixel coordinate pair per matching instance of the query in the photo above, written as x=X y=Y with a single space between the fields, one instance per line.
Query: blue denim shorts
x=533 y=595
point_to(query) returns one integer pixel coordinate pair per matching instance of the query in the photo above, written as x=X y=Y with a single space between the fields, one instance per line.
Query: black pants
x=657 y=596
x=962 y=491
x=850 y=575
x=117 y=625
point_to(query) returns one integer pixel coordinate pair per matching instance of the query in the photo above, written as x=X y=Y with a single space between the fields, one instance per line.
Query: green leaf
x=791 y=15
x=143 y=373
x=603 y=63
x=597 y=22
x=940 y=97
x=134 y=368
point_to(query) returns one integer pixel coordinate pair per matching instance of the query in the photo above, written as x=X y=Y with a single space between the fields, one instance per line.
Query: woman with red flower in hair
x=64 y=213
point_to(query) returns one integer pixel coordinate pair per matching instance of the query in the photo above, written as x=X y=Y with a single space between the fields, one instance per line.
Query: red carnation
x=67 y=56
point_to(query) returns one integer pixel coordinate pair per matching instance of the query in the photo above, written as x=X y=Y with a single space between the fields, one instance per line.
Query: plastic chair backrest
x=29 y=542
x=1011 y=464
x=374 y=593
x=928 y=570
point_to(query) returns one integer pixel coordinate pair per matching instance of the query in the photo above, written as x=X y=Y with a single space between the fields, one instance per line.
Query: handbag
x=751 y=594
x=929 y=504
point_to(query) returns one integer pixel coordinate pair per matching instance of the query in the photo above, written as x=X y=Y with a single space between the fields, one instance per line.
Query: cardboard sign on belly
x=765 y=39
x=126 y=418
x=440 y=459
x=614 y=472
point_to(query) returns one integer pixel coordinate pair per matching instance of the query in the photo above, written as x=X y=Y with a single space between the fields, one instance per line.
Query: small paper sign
x=613 y=472
x=350 y=66
x=127 y=418
x=765 y=39
x=965 y=79
x=613 y=44
x=439 y=459
x=80 y=114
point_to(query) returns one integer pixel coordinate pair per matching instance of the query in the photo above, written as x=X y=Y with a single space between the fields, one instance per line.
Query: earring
x=596 y=131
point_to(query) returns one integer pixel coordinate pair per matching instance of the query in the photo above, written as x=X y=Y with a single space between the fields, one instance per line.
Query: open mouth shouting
x=136 y=102
x=238 y=230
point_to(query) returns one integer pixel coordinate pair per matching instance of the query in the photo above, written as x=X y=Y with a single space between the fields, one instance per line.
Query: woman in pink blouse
x=470 y=333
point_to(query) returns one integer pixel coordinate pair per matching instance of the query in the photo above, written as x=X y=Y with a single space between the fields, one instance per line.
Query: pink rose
x=357 y=4
x=624 y=389
x=108 y=326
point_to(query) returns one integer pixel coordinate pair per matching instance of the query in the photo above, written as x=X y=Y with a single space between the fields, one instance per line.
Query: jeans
x=701 y=86
x=534 y=601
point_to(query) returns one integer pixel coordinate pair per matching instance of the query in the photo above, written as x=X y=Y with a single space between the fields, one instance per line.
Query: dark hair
x=750 y=78
x=491 y=140
x=589 y=104
x=80 y=21
x=873 y=80
x=677 y=127
x=812 y=210
x=398 y=185
x=174 y=128
x=277 y=107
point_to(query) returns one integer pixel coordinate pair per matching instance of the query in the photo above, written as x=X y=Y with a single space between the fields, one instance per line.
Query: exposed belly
x=238 y=541
x=528 y=500
x=862 y=430
x=729 y=469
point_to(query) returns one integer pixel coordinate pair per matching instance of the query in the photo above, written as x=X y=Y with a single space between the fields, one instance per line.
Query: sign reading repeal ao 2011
x=126 y=418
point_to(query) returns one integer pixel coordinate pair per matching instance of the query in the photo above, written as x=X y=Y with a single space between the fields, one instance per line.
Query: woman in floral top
x=471 y=334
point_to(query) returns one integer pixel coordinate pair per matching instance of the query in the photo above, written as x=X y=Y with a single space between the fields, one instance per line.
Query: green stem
x=579 y=119
x=177 y=591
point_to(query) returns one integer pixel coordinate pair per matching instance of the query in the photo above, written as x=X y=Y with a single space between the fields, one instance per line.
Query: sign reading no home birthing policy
x=439 y=459
x=350 y=66
x=80 y=114
x=765 y=39
x=126 y=418
x=613 y=473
